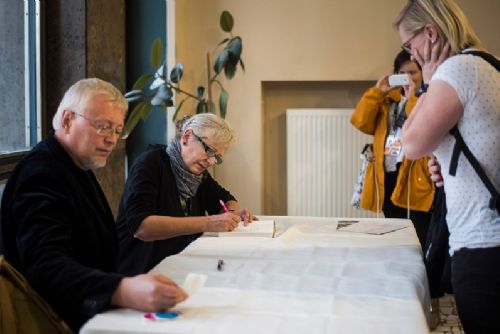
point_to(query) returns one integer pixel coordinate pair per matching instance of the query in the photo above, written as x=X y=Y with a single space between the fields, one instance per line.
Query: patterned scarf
x=187 y=182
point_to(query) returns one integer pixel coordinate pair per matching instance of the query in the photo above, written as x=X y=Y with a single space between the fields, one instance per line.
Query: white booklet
x=258 y=228
x=368 y=227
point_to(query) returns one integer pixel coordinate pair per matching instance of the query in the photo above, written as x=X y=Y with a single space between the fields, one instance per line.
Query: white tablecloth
x=310 y=279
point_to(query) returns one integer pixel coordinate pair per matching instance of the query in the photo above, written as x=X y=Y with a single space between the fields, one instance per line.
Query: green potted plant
x=158 y=88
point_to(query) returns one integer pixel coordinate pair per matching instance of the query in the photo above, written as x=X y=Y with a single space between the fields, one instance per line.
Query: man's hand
x=148 y=293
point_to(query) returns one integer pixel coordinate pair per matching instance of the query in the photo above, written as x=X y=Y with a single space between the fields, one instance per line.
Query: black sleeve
x=141 y=192
x=44 y=211
x=212 y=193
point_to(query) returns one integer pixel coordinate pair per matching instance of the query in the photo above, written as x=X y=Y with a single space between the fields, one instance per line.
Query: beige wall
x=294 y=40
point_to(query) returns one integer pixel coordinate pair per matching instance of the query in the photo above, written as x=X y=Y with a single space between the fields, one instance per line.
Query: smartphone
x=399 y=80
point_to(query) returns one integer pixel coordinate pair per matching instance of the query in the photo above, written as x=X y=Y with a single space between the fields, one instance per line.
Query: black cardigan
x=151 y=190
x=58 y=231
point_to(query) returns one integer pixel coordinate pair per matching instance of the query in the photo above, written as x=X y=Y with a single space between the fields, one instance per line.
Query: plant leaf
x=142 y=81
x=134 y=117
x=201 y=107
x=163 y=96
x=145 y=111
x=242 y=65
x=156 y=53
x=200 y=90
x=221 y=61
x=178 y=108
x=235 y=47
x=134 y=92
x=212 y=105
x=229 y=70
x=157 y=83
x=176 y=73
x=226 y=21
x=223 y=97
x=233 y=60
x=156 y=101
x=160 y=72
x=135 y=98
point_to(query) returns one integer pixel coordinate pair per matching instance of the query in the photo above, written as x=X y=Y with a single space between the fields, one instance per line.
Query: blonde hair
x=82 y=91
x=208 y=126
x=445 y=15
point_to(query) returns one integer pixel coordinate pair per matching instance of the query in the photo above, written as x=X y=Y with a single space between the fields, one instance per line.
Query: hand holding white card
x=193 y=283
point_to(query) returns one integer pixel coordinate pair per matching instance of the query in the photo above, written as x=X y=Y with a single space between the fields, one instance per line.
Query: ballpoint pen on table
x=220 y=265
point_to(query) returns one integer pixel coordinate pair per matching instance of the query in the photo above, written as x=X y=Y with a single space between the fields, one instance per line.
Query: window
x=20 y=84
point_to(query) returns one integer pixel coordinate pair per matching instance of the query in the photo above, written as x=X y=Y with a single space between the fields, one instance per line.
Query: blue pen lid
x=167 y=315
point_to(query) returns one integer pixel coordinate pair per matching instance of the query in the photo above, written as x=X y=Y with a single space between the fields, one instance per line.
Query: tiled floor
x=450 y=324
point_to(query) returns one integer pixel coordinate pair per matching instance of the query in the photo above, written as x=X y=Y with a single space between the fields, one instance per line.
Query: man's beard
x=93 y=165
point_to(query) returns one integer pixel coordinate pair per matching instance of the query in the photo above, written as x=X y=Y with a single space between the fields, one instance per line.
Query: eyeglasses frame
x=104 y=131
x=406 y=46
x=210 y=151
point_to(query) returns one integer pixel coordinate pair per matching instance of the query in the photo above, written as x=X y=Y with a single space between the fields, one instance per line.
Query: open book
x=258 y=228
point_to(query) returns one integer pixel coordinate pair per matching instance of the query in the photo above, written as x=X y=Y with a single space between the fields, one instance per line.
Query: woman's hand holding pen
x=232 y=206
x=224 y=222
x=245 y=215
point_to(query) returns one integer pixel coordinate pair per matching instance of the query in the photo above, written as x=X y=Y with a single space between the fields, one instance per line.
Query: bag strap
x=460 y=145
x=492 y=60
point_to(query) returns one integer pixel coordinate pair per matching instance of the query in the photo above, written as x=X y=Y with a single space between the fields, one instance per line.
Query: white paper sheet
x=369 y=227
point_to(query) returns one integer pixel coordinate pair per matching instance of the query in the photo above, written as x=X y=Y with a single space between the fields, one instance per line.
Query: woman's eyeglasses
x=407 y=45
x=211 y=152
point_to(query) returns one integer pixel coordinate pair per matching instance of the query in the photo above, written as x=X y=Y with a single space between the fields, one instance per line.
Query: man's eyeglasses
x=209 y=150
x=407 y=45
x=104 y=128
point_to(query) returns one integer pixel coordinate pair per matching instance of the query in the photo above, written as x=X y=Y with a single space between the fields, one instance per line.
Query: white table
x=310 y=279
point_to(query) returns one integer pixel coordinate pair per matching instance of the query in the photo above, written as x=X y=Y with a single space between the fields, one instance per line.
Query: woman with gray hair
x=462 y=96
x=169 y=191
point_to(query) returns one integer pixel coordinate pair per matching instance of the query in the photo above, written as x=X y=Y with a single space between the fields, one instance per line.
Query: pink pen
x=224 y=207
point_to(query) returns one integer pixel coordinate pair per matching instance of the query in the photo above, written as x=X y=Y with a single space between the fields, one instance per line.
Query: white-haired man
x=56 y=226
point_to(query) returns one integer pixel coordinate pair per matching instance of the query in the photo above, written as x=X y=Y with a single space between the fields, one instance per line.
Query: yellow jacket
x=413 y=185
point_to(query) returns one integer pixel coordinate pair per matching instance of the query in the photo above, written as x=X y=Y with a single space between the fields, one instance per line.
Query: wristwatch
x=422 y=89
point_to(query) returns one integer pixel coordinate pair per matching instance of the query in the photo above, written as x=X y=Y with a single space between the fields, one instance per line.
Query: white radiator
x=322 y=162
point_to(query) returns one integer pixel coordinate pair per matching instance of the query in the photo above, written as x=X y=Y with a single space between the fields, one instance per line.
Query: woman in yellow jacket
x=402 y=188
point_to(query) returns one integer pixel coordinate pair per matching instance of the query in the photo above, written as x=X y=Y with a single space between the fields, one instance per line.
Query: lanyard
x=399 y=116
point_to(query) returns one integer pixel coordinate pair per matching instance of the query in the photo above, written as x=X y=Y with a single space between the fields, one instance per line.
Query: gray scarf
x=187 y=182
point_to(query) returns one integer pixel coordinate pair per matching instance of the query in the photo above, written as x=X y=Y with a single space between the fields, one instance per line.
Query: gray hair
x=445 y=15
x=82 y=91
x=209 y=126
